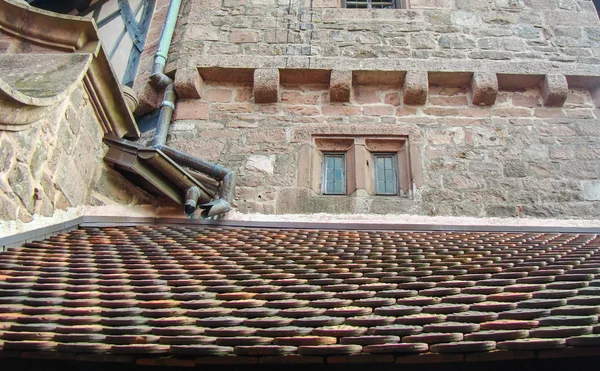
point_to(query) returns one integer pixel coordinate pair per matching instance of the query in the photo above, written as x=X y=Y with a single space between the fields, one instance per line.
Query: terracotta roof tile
x=250 y=295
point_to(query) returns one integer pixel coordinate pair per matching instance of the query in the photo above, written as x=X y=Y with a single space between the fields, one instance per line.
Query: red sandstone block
x=340 y=110
x=522 y=100
x=378 y=110
x=579 y=98
x=393 y=99
x=448 y=101
x=271 y=109
x=554 y=90
x=465 y=121
x=340 y=85
x=233 y=107
x=484 y=88
x=512 y=112
x=416 y=86
x=295 y=97
x=480 y=111
x=267 y=136
x=440 y=111
x=148 y=97
x=266 y=85
x=190 y=110
x=581 y=113
x=364 y=94
x=545 y=112
x=406 y=111
x=243 y=94
x=188 y=83
x=244 y=37
x=219 y=95
x=302 y=110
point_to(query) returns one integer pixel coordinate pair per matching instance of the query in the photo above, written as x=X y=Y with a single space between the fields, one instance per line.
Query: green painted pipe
x=158 y=76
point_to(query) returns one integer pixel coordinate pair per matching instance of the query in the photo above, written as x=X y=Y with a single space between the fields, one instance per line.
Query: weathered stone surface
x=596 y=96
x=554 y=90
x=416 y=86
x=484 y=88
x=591 y=190
x=21 y=183
x=188 y=83
x=261 y=164
x=266 y=85
x=340 y=85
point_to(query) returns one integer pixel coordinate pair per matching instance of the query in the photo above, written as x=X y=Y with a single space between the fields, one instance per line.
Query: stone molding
x=70 y=34
x=414 y=83
x=34 y=85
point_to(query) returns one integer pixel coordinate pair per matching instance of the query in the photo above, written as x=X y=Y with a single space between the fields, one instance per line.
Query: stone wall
x=302 y=33
x=515 y=158
x=57 y=164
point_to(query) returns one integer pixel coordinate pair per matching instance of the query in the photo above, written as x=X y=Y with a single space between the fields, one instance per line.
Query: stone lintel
x=484 y=87
x=416 y=87
x=188 y=83
x=340 y=86
x=554 y=90
x=266 y=85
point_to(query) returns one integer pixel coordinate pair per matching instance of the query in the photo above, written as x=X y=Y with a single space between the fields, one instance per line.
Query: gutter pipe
x=216 y=171
x=160 y=80
x=158 y=77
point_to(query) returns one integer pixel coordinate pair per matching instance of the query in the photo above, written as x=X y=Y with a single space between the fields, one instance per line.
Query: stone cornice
x=587 y=75
x=68 y=34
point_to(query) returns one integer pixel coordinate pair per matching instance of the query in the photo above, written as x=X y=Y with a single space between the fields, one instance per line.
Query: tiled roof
x=280 y=295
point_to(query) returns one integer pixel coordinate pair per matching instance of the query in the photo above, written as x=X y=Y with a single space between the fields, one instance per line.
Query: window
x=373 y=4
x=334 y=174
x=385 y=177
x=379 y=166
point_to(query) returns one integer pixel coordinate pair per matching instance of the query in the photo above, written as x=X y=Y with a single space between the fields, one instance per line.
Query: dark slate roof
x=251 y=295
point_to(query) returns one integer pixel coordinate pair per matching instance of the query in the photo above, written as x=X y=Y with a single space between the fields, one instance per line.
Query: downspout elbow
x=192 y=196
x=159 y=79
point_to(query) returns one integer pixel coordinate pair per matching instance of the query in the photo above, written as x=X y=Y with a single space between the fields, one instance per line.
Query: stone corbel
x=34 y=85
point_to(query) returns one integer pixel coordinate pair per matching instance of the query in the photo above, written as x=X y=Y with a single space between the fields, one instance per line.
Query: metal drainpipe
x=159 y=79
x=219 y=172
x=158 y=76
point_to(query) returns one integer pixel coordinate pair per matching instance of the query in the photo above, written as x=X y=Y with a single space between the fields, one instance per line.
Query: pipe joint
x=167 y=103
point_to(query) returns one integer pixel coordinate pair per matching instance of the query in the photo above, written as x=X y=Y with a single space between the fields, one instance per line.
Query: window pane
x=334 y=174
x=386 y=174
